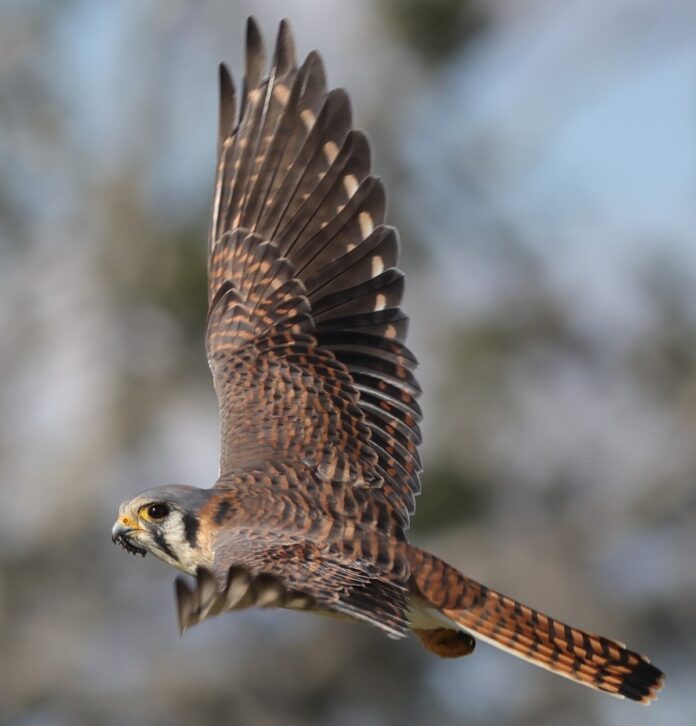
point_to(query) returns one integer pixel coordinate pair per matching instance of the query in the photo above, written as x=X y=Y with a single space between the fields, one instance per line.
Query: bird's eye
x=157 y=511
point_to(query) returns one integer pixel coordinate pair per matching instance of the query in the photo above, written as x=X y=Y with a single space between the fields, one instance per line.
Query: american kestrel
x=319 y=466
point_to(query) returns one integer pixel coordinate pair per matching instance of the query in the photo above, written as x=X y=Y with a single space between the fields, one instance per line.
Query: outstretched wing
x=305 y=335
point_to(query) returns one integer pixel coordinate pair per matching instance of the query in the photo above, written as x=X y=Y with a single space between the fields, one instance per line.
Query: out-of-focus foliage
x=542 y=183
x=665 y=360
x=437 y=28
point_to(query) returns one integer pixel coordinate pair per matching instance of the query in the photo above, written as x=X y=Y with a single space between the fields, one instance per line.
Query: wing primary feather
x=332 y=123
x=255 y=60
x=306 y=96
x=343 y=232
x=356 y=265
x=329 y=195
x=228 y=105
x=271 y=107
x=250 y=120
x=284 y=57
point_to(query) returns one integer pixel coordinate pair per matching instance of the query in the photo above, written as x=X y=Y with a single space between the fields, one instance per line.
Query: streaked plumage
x=319 y=464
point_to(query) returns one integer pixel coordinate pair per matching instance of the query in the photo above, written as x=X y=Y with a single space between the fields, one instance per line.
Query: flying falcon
x=319 y=466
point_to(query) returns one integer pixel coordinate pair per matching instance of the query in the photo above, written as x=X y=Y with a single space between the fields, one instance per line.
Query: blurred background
x=541 y=164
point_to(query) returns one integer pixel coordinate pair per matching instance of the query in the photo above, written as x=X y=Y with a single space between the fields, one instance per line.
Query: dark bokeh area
x=540 y=159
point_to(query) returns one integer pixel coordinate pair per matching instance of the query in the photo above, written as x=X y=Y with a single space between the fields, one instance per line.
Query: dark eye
x=157 y=511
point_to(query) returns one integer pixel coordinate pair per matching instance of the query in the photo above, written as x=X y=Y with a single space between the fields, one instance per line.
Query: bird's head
x=165 y=522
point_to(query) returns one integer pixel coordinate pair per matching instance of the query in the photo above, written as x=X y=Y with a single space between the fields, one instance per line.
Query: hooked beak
x=122 y=533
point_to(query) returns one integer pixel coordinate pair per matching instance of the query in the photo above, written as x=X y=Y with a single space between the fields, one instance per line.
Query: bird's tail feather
x=592 y=660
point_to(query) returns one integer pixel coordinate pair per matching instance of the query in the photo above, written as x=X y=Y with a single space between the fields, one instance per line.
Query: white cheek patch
x=175 y=541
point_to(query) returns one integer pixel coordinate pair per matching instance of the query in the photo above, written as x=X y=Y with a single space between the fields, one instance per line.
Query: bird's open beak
x=122 y=533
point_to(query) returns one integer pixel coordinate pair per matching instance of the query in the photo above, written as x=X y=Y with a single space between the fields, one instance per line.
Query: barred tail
x=592 y=660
